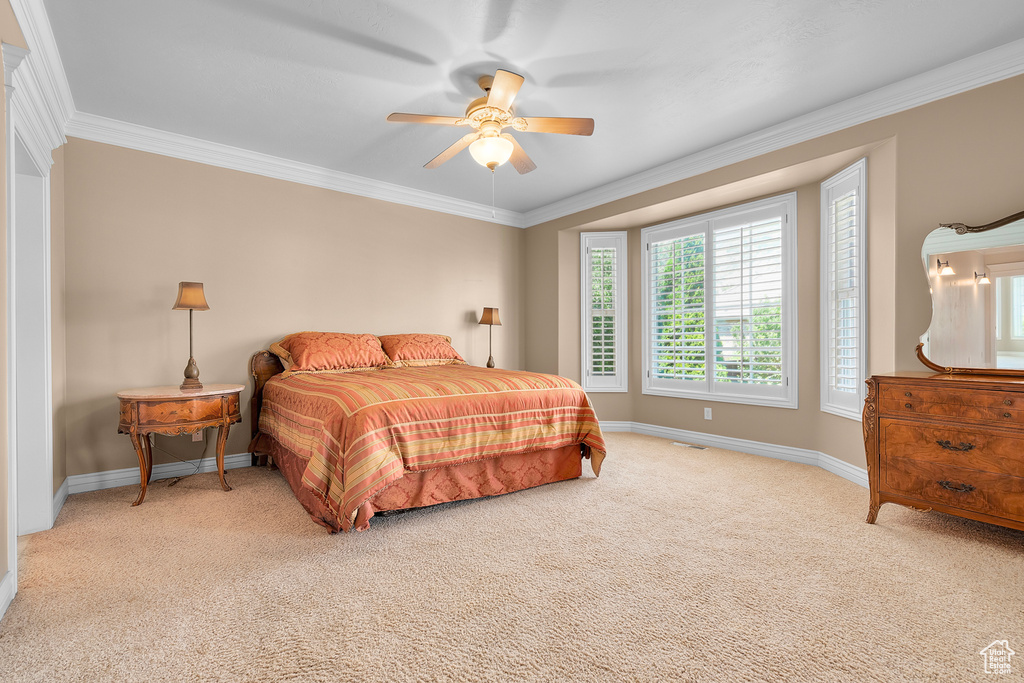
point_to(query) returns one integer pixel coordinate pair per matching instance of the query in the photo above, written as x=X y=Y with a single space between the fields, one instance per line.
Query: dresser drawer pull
x=907 y=394
x=1007 y=415
x=908 y=405
x=959 y=488
x=963 y=447
x=1008 y=402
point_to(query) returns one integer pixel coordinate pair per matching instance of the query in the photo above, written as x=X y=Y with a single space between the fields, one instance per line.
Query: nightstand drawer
x=175 y=412
x=986 y=450
x=986 y=492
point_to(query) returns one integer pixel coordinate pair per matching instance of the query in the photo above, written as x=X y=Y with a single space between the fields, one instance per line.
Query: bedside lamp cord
x=198 y=465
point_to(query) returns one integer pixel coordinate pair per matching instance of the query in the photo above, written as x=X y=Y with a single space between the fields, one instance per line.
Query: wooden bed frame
x=262 y=366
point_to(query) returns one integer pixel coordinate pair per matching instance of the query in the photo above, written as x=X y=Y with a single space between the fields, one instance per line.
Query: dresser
x=952 y=443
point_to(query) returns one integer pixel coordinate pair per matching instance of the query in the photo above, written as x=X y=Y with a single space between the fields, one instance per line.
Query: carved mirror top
x=976 y=279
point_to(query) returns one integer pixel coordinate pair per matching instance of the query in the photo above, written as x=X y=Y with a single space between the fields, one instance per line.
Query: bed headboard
x=262 y=366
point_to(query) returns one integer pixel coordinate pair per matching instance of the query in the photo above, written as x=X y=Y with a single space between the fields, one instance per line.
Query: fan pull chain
x=492 y=194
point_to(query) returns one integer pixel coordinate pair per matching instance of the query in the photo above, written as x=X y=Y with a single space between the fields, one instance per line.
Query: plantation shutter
x=843 y=314
x=603 y=269
x=719 y=290
x=748 y=302
x=677 y=308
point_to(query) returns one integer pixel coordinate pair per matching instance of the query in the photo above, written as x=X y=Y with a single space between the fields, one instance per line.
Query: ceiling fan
x=488 y=115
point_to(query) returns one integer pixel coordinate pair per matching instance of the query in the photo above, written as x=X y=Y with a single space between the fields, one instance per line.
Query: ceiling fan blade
x=554 y=124
x=519 y=158
x=504 y=89
x=424 y=118
x=459 y=145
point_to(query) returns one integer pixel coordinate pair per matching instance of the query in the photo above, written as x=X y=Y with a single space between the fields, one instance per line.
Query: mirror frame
x=962 y=229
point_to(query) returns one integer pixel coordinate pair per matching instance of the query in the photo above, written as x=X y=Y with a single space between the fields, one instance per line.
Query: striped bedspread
x=361 y=431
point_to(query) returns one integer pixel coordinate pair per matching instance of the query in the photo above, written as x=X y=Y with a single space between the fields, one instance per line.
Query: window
x=1017 y=307
x=719 y=305
x=843 y=299
x=999 y=309
x=603 y=268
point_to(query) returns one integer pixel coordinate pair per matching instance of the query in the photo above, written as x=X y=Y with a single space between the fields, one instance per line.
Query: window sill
x=840 y=411
x=790 y=402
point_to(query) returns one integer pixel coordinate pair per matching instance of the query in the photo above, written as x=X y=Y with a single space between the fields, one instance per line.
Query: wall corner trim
x=6 y=592
x=790 y=453
x=59 y=498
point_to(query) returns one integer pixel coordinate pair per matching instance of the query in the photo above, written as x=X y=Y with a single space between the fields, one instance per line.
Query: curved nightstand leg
x=144 y=465
x=222 y=438
x=873 y=513
x=147 y=441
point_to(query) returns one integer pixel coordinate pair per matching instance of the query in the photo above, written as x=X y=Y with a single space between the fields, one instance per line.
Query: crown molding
x=972 y=72
x=28 y=109
x=55 y=116
x=144 y=139
x=51 y=92
x=54 y=93
x=13 y=57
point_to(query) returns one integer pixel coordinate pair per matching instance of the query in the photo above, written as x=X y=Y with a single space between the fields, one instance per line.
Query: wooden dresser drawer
x=987 y=450
x=983 y=406
x=990 y=493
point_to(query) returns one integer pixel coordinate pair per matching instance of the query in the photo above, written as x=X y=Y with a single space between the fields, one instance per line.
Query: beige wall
x=10 y=33
x=57 y=317
x=957 y=159
x=275 y=258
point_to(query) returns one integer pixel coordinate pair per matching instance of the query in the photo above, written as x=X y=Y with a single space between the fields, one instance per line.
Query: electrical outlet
x=197 y=436
x=707 y=413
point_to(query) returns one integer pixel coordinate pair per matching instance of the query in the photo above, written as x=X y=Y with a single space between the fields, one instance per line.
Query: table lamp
x=490 y=318
x=191 y=298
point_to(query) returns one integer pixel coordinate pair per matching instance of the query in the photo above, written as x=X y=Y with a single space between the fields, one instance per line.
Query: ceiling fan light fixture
x=491 y=151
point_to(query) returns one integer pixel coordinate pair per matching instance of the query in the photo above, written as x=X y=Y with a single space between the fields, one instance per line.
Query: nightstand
x=171 y=411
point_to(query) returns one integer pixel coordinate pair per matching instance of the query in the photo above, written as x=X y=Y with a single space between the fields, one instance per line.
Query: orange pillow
x=330 y=351
x=419 y=350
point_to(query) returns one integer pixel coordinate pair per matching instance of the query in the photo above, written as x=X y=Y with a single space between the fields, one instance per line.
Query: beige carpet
x=676 y=564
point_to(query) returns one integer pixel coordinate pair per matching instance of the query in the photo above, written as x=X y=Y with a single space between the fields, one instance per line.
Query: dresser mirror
x=976 y=279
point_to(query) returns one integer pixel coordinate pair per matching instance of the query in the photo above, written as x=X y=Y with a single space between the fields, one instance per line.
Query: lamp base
x=490 y=361
x=191 y=376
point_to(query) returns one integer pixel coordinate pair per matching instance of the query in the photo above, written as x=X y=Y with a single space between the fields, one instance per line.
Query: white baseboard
x=6 y=592
x=802 y=455
x=96 y=481
x=616 y=426
x=59 y=499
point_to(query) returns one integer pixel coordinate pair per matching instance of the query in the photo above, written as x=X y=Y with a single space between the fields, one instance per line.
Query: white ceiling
x=313 y=80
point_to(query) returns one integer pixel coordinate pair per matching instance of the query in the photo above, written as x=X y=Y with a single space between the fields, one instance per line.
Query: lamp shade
x=191 y=297
x=490 y=317
x=491 y=151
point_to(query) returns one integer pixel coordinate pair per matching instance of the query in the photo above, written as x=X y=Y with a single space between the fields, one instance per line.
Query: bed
x=356 y=442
